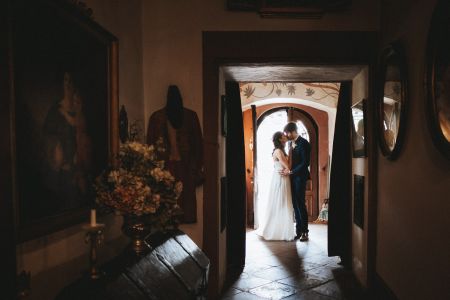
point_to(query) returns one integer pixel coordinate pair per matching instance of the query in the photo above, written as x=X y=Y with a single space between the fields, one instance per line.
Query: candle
x=93 y=218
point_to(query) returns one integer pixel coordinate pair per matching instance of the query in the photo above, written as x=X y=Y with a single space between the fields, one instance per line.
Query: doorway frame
x=263 y=48
x=286 y=107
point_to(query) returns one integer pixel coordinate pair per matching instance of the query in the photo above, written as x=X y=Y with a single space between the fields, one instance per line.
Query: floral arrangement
x=140 y=185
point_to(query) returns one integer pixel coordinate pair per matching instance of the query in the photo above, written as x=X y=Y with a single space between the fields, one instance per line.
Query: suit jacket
x=301 y=155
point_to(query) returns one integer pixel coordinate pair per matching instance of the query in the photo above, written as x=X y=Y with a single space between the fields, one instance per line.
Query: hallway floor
x=293 y=270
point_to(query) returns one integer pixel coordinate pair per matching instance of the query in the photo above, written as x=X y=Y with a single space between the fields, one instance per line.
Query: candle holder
x=94 y=236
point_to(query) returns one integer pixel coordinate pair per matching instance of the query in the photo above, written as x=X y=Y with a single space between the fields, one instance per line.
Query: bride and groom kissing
x=286 y=197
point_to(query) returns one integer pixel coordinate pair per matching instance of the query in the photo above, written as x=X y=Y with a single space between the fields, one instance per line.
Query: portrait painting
x=63 y=103
x=438 y=77
x=358 y=129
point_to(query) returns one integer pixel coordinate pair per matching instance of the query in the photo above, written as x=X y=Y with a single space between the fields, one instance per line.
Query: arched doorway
x=269 y=122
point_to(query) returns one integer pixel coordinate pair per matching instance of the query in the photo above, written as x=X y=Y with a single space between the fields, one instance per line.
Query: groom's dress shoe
x=304 y=237
x=297 y=236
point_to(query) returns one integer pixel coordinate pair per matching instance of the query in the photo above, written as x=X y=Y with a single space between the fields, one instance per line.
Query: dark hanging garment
x=189 y=169
x=184 y=150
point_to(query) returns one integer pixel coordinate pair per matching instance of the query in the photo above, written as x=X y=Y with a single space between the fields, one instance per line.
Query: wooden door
x=250 y=127
x=339 y=215
x=312 y=186
x=235 y=173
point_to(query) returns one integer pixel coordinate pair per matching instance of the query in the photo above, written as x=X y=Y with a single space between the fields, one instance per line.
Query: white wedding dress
x=277 y=217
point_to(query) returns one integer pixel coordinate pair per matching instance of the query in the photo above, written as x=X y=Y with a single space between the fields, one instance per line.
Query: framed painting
x=65 y=112
x=438 y=78
x=223 y=109
x=302 y=9
x=358 y=200
x=358 y=129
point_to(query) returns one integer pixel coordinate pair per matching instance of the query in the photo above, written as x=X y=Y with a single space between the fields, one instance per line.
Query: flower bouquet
x=141 y=190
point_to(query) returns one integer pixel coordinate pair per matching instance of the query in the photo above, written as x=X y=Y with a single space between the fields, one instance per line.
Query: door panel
x=339 y=215
x=310 y=201
x=235 y=173
x=249 y=174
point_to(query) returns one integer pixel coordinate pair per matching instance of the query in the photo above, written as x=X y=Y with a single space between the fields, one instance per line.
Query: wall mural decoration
x=320 y=93
x=65 y=112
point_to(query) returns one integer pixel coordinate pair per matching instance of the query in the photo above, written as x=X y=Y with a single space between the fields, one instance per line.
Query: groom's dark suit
x=299 y=175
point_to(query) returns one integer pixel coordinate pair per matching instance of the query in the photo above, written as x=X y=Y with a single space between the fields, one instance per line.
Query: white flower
x=114 y=176
x=294 y=145
x=178 y=188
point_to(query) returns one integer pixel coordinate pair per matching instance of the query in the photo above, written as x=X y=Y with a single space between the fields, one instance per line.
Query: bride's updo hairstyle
x=276 y=141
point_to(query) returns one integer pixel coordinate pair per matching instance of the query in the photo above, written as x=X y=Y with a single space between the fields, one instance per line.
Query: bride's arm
x=283 y=159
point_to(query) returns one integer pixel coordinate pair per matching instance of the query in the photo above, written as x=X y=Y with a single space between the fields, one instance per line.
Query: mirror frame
x=437 y=33
x=394 y=50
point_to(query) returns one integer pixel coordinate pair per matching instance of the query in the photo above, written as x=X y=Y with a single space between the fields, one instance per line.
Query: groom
x=301 y=150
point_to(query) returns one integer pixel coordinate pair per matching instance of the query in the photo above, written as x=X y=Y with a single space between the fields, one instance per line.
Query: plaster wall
x=413 y=190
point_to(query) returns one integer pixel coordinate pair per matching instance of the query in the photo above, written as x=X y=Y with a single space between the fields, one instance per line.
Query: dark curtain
x=339 y=216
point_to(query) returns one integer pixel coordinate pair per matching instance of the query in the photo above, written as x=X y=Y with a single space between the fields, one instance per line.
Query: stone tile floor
x=293 y=270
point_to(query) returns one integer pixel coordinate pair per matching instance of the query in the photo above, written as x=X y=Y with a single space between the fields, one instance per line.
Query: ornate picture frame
x=392 y=100
x=299 y=9
x=438 y=78
x=64 y=112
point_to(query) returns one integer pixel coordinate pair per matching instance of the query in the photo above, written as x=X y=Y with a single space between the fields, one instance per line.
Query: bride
x=277 y=222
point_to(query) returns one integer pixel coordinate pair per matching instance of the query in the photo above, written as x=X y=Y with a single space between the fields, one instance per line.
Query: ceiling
x=290 y=73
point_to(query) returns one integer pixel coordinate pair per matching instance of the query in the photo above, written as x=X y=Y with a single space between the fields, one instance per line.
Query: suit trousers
x=298 y=186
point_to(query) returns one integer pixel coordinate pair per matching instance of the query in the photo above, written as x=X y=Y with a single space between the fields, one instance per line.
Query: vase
x=137 y=228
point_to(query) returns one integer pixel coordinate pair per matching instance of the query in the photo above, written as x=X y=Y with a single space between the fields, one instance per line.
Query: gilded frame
x=75 y=62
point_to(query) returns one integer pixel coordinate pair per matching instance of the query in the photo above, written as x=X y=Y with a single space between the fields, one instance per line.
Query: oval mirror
x=392 y=100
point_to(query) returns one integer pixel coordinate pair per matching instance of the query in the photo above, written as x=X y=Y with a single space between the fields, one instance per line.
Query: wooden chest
x=175 y=269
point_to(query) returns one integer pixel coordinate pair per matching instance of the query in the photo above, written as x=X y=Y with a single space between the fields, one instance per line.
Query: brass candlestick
x=94 y=236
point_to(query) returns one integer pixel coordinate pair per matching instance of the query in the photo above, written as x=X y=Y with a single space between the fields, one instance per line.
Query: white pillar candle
x=93 y=217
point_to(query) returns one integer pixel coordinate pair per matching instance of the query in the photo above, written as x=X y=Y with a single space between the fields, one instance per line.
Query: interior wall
x=413 y=190
x=360 y=166
x=61 y=257
x=172 y=49
x=124 y=20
